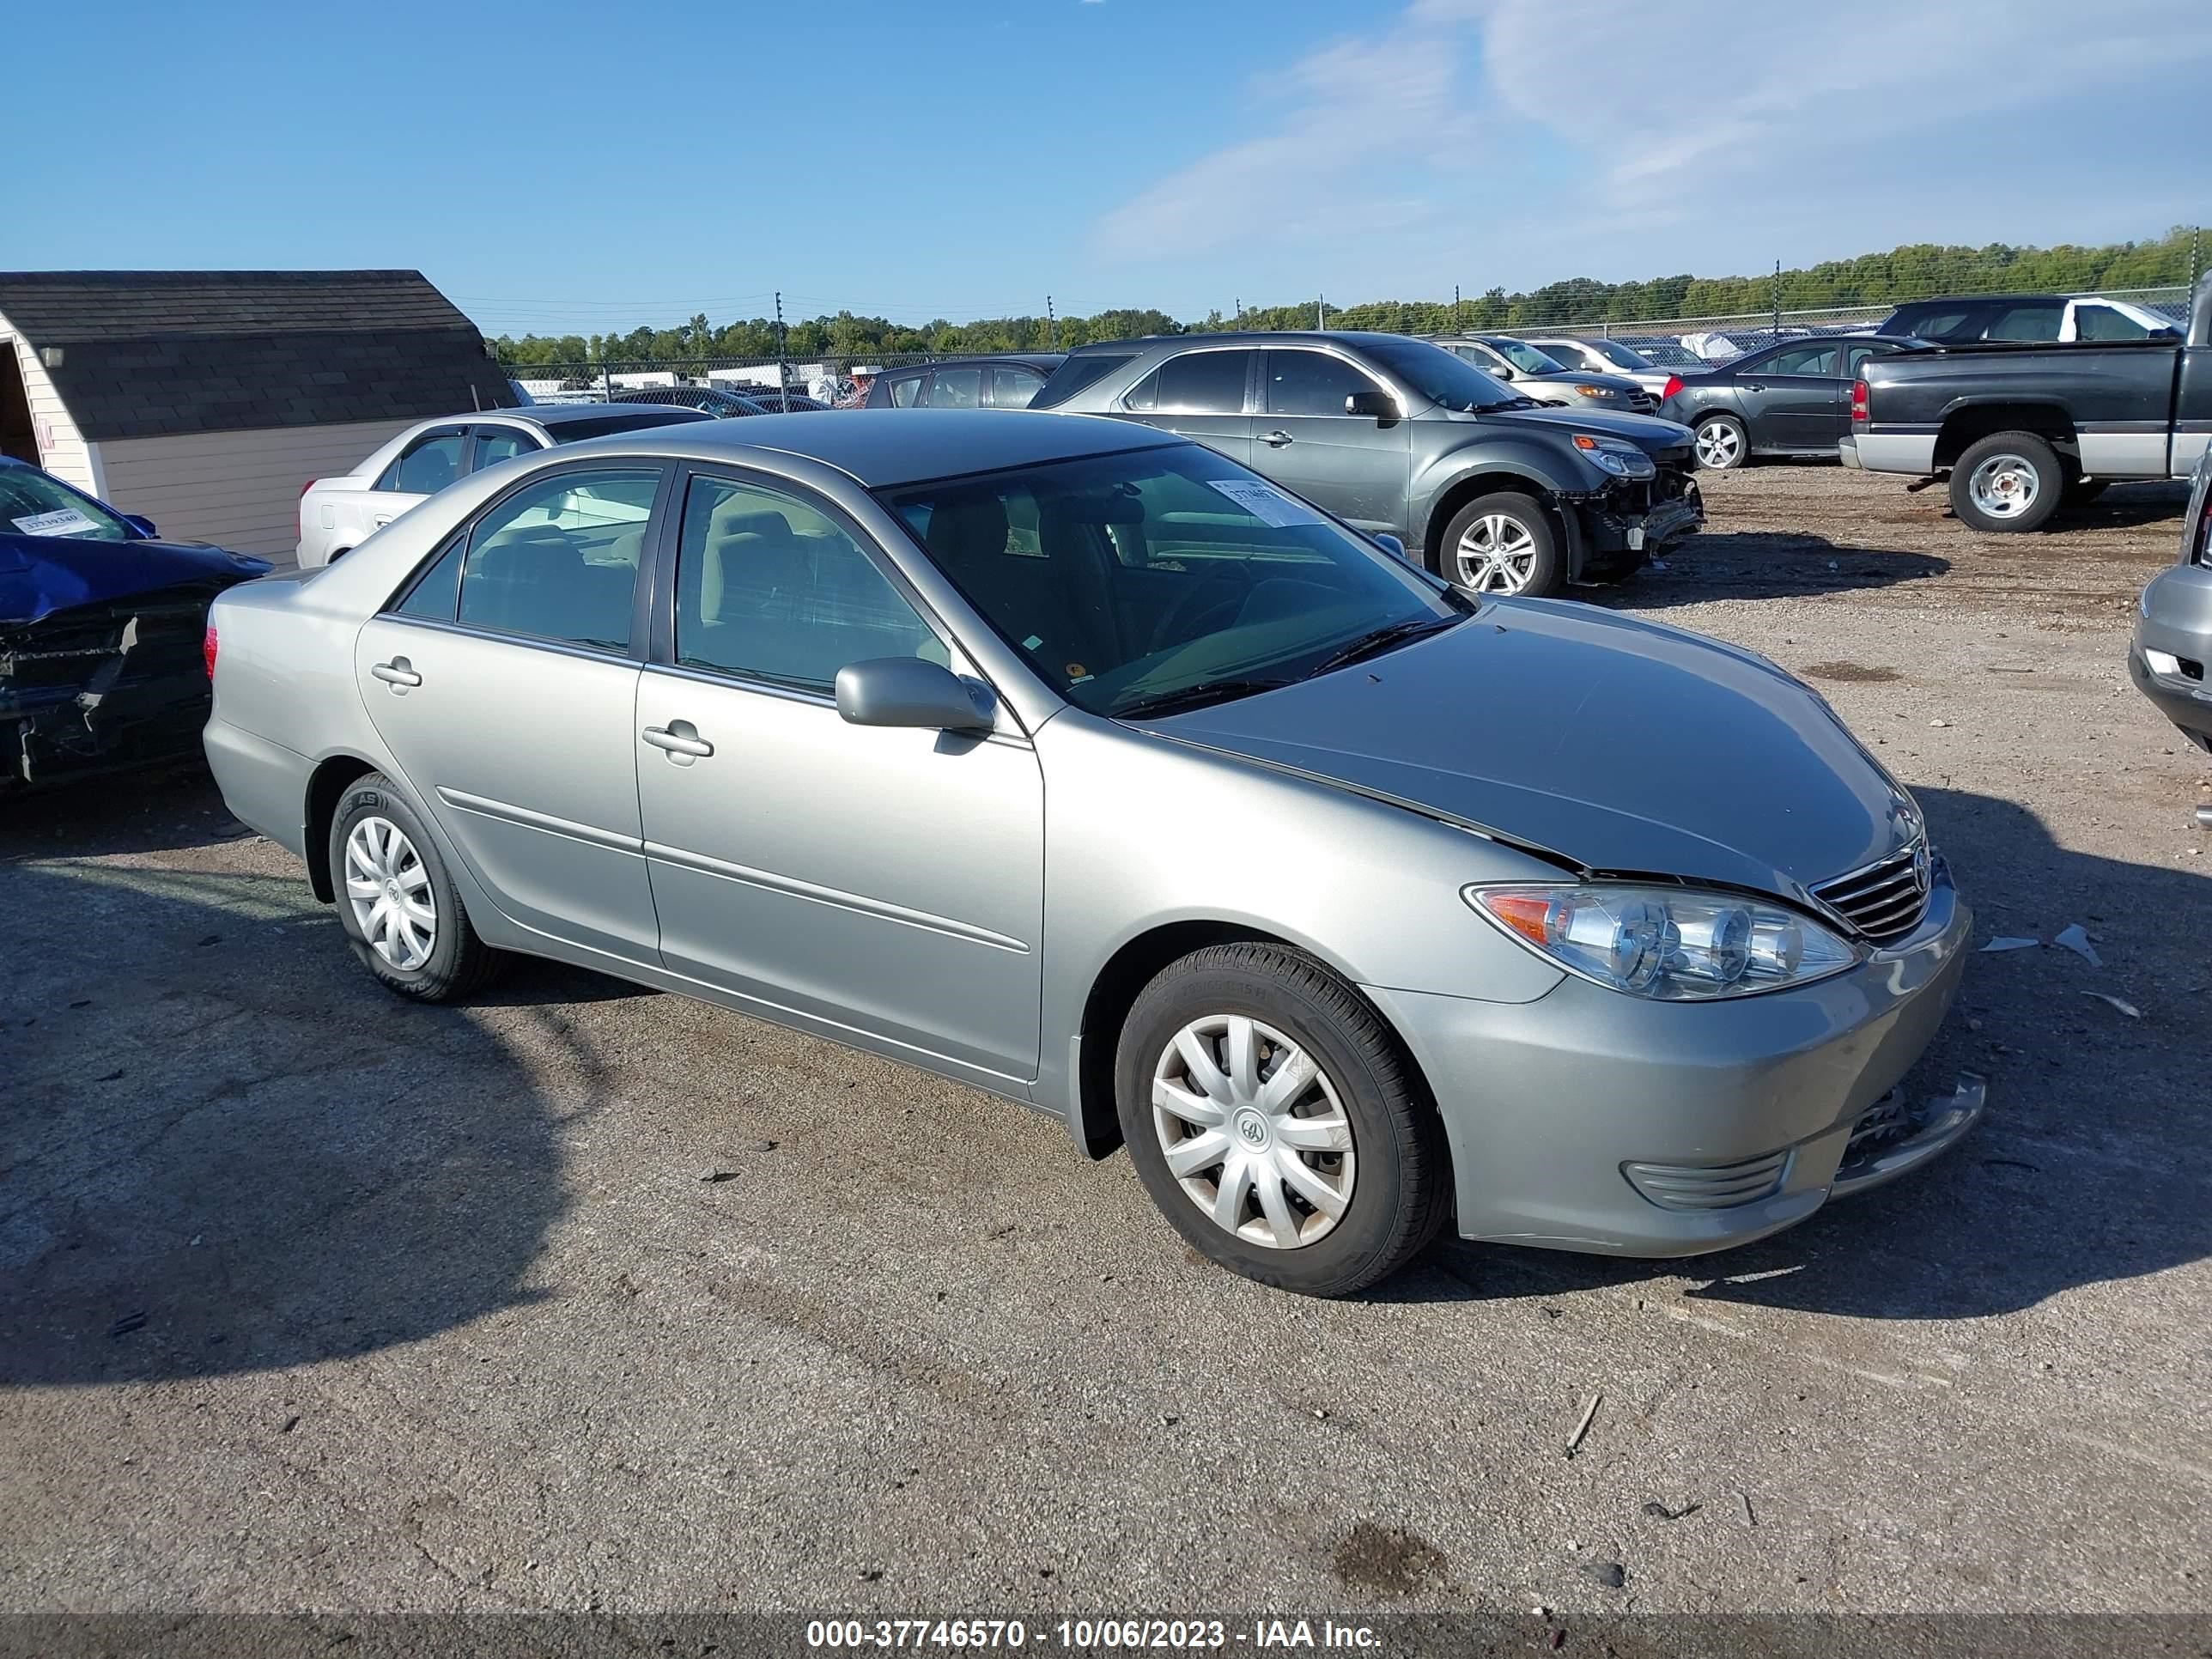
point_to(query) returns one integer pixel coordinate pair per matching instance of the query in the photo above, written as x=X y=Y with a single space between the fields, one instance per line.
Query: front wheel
x=1276 y=1123
x=1723 y=444
x=2010 y=481
x=1503 y=543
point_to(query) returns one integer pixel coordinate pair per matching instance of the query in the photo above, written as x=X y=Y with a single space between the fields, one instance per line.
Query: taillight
x=309 y=485
x=1859 y=403
x=1674 y=385
x=207 y=652
x=2203 y=555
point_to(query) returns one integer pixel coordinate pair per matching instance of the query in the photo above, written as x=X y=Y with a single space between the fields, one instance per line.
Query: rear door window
x=1195 y=383
x=956 y=388
x=1013 y=388
x=558 y=559
x=2029 y=322
x=427 y=465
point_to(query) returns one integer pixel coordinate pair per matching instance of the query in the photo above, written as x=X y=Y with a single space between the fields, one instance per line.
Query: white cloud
x=1476 y=131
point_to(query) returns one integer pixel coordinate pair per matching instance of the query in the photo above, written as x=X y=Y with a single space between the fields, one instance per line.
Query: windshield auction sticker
x=67 y=521
x=1265 y=503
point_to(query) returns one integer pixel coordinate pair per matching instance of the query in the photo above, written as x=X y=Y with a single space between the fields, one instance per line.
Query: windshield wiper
x=1369 y=645
x=1201 y=695
x=1511 y=403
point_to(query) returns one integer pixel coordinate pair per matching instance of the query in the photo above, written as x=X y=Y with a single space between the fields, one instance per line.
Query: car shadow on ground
x=1758 y=565
x=2122 y=506
x=221 y=1151
x=163 y=809
x=2091 y=1163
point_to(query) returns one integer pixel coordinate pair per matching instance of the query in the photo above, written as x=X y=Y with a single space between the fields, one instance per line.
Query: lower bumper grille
x=1709 y=1186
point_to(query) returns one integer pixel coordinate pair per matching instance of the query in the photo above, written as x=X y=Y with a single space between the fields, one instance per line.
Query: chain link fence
x=841 y=381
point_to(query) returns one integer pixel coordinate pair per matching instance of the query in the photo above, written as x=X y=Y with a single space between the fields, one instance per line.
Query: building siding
x=237 y=490
x=62 y=450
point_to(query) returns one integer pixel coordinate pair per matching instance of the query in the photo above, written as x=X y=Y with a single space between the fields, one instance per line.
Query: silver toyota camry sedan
x=1070 y=760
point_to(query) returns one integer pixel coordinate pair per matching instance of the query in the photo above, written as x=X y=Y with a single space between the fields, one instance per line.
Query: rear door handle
x=398 y=672
x=1276 y=439
x=679 y=738
x=378 y=521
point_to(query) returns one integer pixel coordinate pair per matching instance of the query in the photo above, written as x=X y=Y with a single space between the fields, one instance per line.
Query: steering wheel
x=1214 y=602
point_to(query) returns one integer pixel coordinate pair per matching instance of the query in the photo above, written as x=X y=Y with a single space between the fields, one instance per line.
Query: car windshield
x=1163 y=578
x=1443 y=378
x=34 y=504
x=1620 y=357
x=1664 y=353
x=1526 y=358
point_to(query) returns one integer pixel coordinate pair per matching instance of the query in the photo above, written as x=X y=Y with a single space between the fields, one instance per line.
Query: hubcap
x=389 y=892
x=1252 y=1131
x=2004 y=486
x=1497 y=555
x=1718 y=445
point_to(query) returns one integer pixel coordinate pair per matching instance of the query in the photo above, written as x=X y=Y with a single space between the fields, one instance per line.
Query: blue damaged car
x=103 y=629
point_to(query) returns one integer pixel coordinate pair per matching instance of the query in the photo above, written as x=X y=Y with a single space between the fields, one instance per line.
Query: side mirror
x=1389 y=544
x=907 y=691
x=1501 y=371
x=142 y=525
x=1374 y=405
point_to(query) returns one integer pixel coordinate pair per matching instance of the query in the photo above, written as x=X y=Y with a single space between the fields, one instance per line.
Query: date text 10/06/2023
x=1089 y=1635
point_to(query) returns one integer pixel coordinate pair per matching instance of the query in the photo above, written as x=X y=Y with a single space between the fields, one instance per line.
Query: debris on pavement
x=1749 y=1519
x=1659 y=1512
x=2006 y=942
x=2076 y=939
x=2127 y=1008
x=1610 y=1574
x=1590 y=1410
x=1939 y=723
x=128 y=1324
x=715 y=1172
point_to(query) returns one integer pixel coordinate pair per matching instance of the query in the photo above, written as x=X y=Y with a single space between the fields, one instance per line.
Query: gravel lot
x=310 y=1299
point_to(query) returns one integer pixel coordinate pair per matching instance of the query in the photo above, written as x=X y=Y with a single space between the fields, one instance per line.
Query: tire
x=2080 y=492
x=1723 y=444
x=1504 y=542
x=1369 y=1139
x=2008 y=482
x=456 y=962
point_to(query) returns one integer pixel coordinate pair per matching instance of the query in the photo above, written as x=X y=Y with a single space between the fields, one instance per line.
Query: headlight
x=1671 y=943
x=1597 y=392
x=1622 y=459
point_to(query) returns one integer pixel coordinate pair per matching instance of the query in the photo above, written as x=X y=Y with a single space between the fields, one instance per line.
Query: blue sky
x=563 y=165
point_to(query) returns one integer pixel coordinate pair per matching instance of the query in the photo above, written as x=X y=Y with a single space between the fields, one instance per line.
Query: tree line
x=1916 y=271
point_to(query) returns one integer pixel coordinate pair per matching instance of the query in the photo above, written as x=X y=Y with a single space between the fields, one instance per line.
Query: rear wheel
x=396 y=901
x=1504 y=542
x=1274 y=1120
x=2010 y=481
x=1723 y=444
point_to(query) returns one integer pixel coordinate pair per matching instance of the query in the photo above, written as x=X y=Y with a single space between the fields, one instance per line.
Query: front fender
x=1537 y=463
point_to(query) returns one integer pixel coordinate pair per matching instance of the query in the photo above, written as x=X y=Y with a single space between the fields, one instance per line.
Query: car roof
x=1284 y=336
x=1044 y=360
x=1990 y=300
x=550 y=416
x=877 y=448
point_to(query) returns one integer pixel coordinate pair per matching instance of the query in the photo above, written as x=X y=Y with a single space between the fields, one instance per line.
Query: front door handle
x=1276 y=439
x=1753 y=386
x=397 y=673
x=679 y=738
x=378 y=521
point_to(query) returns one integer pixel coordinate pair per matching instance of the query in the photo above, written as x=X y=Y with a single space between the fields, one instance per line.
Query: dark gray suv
x=1396 y=436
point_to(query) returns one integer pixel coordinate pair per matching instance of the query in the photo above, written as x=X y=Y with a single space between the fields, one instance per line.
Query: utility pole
x=2196 y=235
x=782 y=373
x=1321 y=313
x=1457 y=324
x=1051 y=326
x=1240 y=311
x=1776 y=297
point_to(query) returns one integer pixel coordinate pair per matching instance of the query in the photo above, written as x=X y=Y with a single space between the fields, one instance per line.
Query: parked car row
x=851 y=725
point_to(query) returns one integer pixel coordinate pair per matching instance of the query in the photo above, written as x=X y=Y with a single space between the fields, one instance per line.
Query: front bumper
x=1591 y=1121
x=2174 y=617
x=1620 y=527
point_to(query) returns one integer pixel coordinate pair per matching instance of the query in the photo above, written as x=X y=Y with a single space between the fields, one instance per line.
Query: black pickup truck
x=2022 y=427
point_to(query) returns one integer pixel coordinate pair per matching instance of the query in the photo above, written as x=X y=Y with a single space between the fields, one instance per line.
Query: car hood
x=1647 y=432
x=41 y=574
x=1619 y=383
x=1617 y=745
